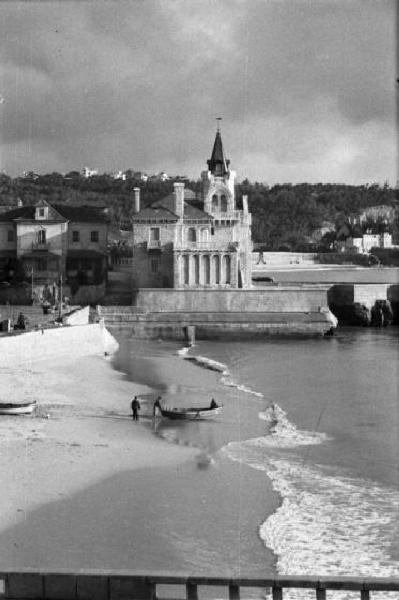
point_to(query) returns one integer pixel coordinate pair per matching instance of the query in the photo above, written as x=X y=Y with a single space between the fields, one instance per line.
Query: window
x=76 y=236
x=154 y=265
x=186 y=269
x=10 y=235
x=214 y=202
x=223 y=203
x=41 y=212
x=41 y=264
x=41 y=236
x=94 y=236
x=191 y=234
x=154 y=234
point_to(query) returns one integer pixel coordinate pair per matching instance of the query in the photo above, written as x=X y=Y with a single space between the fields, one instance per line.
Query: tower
x=218 y=182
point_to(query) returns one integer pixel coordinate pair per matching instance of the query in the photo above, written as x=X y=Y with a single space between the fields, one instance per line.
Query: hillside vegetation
x=285 y=216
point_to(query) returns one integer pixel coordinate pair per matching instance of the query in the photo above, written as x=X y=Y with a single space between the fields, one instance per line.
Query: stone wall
x=283 y=258
x=365 y=294
x=81 y=340
x=295 y=298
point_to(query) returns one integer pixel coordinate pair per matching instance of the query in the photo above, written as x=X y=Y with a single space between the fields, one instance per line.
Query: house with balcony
x=189 y=242
x=44 y=242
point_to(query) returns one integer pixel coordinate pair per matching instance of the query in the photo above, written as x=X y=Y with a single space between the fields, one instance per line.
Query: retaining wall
x=294 y=298
x=70 y=342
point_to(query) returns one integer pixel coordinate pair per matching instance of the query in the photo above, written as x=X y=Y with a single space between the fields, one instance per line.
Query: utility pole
x=60 y=300
x=31 y=292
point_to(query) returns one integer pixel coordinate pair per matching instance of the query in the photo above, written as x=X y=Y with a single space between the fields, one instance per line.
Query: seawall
x=209 y=314
x=80 y=340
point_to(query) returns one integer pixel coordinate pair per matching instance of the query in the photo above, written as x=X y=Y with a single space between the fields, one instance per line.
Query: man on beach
x=135 y=408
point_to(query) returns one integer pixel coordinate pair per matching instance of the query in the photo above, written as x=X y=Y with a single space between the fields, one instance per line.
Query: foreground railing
x=118 y=585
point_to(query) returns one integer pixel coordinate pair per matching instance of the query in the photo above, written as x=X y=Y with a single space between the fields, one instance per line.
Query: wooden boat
x=193 y=413
x=17 y=408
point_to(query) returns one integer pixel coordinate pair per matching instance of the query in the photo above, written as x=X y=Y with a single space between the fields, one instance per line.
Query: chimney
x=136 y=208
x=179 y=199
x=245 y=204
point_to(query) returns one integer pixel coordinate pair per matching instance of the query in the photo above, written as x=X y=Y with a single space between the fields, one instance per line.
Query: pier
x=114 y=585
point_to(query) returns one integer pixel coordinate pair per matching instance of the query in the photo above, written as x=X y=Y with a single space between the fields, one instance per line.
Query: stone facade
x=185 y=242
x=43 y=242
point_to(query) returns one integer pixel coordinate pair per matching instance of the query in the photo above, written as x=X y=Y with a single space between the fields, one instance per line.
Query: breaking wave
x=327 y=524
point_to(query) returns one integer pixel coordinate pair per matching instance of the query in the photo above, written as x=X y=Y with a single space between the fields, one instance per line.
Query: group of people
x=135 y=406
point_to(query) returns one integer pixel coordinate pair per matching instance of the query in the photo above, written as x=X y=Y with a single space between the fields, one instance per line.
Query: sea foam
x=327 y=524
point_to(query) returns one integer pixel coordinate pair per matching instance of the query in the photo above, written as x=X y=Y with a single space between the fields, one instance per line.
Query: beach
x=80 y=434
x=317 y=494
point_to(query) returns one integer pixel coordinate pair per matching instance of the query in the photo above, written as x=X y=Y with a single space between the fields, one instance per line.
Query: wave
x=283 y=433
x=208 y=363
x=327 y=524
x=331 y=525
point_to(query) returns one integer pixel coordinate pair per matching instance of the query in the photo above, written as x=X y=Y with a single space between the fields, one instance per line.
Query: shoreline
x=89 y=467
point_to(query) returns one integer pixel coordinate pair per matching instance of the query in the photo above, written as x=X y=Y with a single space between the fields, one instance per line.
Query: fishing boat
x=193 y=413
x=17 y=408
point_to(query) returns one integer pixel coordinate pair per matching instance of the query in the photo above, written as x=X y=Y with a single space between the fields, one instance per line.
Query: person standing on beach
x=135 y=408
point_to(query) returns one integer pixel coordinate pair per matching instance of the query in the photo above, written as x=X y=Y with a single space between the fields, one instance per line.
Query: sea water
x=318 y=418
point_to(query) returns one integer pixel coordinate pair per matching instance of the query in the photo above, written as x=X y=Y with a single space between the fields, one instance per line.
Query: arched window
x=196 y=269
x=206 y=265
x=214 y=202
x=216 y=268
x=226 y=268
x=186 y=269
x=223 y=203
x=204 y=234
x=192 y=235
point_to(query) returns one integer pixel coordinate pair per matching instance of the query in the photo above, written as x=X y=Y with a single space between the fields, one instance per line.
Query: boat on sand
x=17 y=408
x=193 y=413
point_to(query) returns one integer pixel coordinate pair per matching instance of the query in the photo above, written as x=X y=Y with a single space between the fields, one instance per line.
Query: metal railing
x=40 y=246
x=151 y=244
x=96 y=585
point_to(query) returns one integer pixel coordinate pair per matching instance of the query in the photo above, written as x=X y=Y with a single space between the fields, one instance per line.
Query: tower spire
x=218 y=165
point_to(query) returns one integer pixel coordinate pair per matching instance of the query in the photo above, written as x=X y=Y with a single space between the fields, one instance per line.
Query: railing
x=100 y=585
x=232 y=215
x=40 y=246
x=154 y=244
x=206 y=245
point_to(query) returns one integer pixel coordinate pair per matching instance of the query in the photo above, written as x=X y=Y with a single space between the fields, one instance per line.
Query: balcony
x=232 y=215
x=40 y=246
x=154 y=244
x=209 y=245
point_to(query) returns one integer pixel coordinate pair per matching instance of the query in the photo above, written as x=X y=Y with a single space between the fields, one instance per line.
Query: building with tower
x=185 y=241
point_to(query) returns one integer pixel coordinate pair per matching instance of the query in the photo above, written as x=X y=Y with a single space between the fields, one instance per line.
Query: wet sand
x=81 y=433
x=89 y=488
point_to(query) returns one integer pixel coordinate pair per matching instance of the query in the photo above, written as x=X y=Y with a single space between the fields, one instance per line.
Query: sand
x=82 y=433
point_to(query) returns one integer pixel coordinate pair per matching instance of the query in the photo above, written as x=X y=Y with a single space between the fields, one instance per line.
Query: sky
x=306 y=88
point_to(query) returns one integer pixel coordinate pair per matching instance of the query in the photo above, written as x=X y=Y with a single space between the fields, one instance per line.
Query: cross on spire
x=218 y=119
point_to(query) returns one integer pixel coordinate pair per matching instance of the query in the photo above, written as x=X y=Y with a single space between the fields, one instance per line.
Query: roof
x=60 y=212
x=218 y=165
x=155 y=212
x=79 y=214
x=163 y=210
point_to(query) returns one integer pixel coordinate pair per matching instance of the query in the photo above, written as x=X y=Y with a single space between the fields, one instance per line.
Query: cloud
x=138 y=84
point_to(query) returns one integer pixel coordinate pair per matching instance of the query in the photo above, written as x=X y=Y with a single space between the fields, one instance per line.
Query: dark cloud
x=138 y=84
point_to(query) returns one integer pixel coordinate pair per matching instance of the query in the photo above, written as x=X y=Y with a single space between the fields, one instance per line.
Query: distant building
x=53 y=241
x=355 y=238
x=86 y=172
x=187 y=242
x=118 y=175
